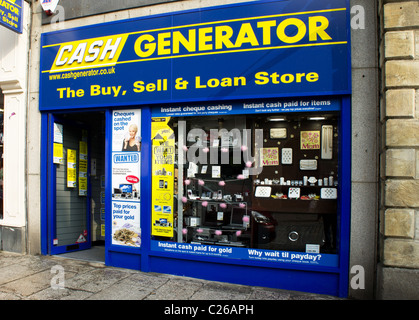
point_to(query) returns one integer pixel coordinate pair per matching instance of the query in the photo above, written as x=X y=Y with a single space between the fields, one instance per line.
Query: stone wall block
x=401 y=14
x=402 y=73
x=400 y=103
x=400 y=44
x=401 y=253
x=402 y=133
x=402 y=193
x=400 y=223
x=401 y=163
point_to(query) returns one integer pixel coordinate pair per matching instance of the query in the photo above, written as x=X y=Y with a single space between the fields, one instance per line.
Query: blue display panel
x=260 y=255
x=255 y=107
x=255 y=50
x=11 y=14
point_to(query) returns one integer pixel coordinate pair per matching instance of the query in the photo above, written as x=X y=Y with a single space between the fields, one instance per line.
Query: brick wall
x=399 y=221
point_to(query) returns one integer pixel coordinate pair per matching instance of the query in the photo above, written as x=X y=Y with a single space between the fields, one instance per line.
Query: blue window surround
x=317 y=279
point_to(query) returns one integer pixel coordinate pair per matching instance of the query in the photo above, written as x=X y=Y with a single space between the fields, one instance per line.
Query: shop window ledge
x=321 y=206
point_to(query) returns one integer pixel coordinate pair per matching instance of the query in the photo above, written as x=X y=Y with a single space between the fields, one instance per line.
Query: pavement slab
x=25 y=277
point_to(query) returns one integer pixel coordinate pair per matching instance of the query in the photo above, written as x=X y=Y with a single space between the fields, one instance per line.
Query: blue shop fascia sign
x=265 y=49
x=11 y=14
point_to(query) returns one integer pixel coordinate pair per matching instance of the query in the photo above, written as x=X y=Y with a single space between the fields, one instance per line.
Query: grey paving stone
x=34 y=283
x=176 y=289
x=96 y=279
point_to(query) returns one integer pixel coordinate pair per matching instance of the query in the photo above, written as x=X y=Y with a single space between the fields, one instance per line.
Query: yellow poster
x=71 y=168
x=163 y=160
x=83 y=150
x=58 y=153
x=270 y=156
x=310 y=140
x=82 y=168
x=72 y=157
x=82 y=186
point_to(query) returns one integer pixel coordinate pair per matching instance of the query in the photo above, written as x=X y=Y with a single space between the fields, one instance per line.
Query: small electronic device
x=238 y=197
x=237 y=215
x=191 y=195
x=193 y=221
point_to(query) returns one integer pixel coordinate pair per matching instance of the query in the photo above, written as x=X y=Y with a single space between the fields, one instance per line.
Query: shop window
x=265 y=182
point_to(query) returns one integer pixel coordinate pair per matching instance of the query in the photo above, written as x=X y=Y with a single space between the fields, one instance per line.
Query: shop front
x=211 y=143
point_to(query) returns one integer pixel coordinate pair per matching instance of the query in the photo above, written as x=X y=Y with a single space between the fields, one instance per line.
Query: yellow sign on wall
x=83 y=168
x=163 y=164
x=71 y=168
x=58 y=153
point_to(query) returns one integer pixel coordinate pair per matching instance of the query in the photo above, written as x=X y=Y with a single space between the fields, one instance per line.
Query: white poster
x=126 y=125
x=58 y=133
x=126 y=173
x=49 y=5
x=126 y=223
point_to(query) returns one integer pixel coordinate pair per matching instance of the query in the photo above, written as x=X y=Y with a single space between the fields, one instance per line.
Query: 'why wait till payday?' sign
x=253 y=50
x=11 y=14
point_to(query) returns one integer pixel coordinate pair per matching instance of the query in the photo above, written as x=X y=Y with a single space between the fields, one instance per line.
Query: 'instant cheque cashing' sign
x=261 y=49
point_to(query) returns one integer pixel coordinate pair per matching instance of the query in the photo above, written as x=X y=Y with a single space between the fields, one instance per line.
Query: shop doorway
x=77 y=185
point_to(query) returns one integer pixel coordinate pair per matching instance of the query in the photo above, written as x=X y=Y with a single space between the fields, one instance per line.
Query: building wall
x=364 y=122
x=399 y=218
x=82 y=8
x=14 y=50
x=365 y=109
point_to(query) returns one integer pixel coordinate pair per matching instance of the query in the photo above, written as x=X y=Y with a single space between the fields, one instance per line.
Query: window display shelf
x=217 y=180
x=200 y=200
x=321 y=206
x=297 y=192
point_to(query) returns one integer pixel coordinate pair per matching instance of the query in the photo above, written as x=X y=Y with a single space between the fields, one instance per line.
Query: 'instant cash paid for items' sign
x=253 y=50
